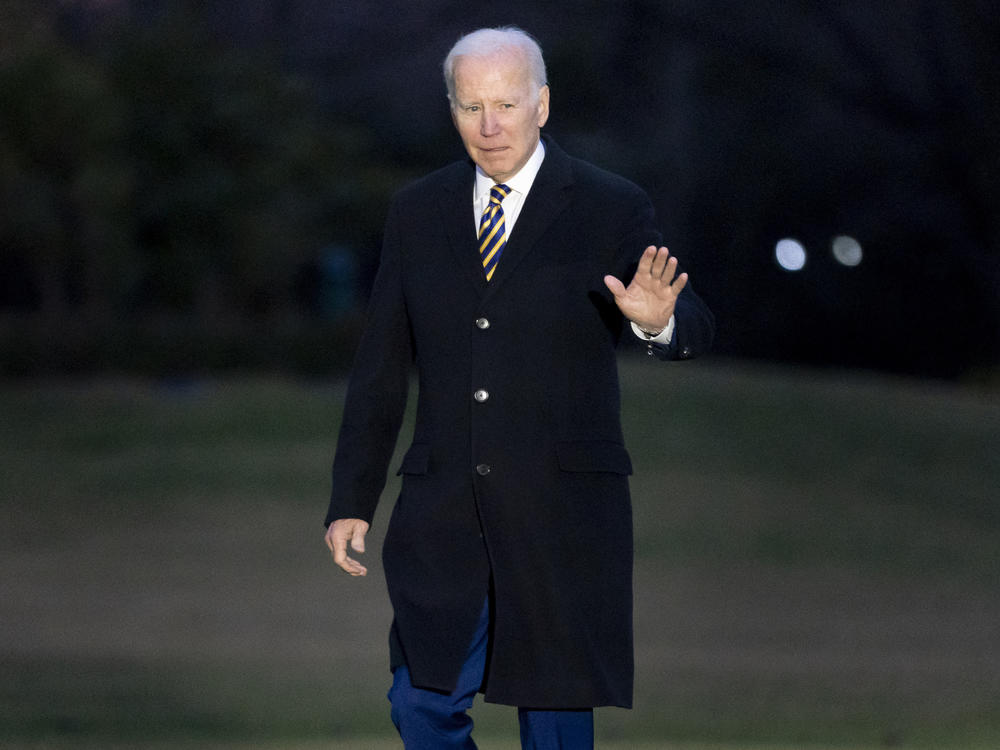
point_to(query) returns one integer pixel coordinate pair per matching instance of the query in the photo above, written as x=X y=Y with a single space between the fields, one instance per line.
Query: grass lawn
x=818 y=566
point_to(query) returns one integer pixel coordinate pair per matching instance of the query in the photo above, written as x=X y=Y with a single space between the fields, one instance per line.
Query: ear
x=543 y=105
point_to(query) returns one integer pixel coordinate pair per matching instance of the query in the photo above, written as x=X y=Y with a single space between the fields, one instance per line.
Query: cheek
x=466 y=130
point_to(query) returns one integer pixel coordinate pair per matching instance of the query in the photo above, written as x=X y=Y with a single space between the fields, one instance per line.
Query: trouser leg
x=556 y=730
x=431 y=720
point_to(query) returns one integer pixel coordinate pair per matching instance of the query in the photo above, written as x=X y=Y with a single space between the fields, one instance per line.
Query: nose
x=488 y=124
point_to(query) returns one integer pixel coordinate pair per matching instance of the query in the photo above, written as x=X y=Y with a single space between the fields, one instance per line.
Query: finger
x=646 y=261
x=679 y=283
x=659 y=262
x=615 y=285
x=336 y=540
x=669 y=269
x=339 y=548
x=353 y=567
x=328 y=538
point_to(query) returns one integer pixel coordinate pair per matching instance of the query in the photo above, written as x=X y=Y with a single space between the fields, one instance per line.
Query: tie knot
x=498 y=193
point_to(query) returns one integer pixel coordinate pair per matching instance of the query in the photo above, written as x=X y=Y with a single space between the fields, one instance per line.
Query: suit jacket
x=516 y=482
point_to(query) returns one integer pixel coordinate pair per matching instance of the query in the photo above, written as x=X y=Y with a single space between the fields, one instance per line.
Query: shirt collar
x=519 y=183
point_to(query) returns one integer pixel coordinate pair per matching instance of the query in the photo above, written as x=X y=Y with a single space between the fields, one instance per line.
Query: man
x=508 y=556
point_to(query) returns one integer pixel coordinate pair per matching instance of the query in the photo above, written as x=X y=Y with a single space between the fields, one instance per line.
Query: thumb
x=358 y=539
x=615 y=285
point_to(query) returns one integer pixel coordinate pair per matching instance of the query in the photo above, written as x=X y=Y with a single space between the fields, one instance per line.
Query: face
x=498 y=112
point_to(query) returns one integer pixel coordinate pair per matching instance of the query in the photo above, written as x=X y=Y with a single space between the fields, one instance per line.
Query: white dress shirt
x=519 y=186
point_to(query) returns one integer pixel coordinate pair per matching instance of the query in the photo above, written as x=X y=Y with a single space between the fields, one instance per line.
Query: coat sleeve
x=694 y=328
x=377 y=391
x=694 y=324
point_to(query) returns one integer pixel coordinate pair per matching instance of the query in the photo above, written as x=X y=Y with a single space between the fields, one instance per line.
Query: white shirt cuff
x=663 y=337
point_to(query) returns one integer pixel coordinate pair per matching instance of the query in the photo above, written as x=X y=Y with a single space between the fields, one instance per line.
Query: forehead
x=503 y=72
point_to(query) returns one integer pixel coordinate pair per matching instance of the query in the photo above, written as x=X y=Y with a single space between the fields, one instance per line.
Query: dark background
x=191 y=187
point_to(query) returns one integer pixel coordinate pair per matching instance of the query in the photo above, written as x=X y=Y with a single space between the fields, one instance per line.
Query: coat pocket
x=417 y=460
x=594 y=455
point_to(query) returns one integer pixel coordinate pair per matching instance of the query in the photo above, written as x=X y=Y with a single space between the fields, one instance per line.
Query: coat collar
x=549 y=195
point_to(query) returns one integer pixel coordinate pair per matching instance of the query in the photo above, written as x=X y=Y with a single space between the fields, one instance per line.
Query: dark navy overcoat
x=516 y=484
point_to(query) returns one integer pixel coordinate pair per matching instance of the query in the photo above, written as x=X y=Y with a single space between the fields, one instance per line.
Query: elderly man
x=508 y=556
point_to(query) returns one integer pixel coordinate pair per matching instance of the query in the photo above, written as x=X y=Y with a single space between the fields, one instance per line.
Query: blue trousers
x=431 y=720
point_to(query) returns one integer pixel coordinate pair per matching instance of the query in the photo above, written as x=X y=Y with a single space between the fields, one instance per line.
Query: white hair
x=488 y=42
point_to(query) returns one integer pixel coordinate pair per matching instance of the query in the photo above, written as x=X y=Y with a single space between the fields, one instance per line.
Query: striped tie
x=491 y=233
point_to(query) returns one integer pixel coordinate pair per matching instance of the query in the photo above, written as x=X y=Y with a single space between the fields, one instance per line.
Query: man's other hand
x=339 y=533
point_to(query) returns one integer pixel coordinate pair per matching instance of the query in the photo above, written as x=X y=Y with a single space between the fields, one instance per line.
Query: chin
x=493 y=165
x=499 y=172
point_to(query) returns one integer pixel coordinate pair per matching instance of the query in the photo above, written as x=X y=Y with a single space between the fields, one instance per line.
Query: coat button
x=481 y=395
x=483 y=469
x=482 y=323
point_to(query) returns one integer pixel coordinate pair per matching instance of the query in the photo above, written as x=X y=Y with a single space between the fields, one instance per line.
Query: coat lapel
x=455 y=216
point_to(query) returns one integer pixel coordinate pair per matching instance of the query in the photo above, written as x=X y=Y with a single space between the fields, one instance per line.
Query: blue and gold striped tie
x=492 y=237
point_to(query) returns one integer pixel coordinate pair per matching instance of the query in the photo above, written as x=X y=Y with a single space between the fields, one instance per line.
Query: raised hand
x=650 y=298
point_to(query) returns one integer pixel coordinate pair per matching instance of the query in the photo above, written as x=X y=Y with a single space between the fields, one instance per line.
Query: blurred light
x=846 y=250
x=790 y=254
